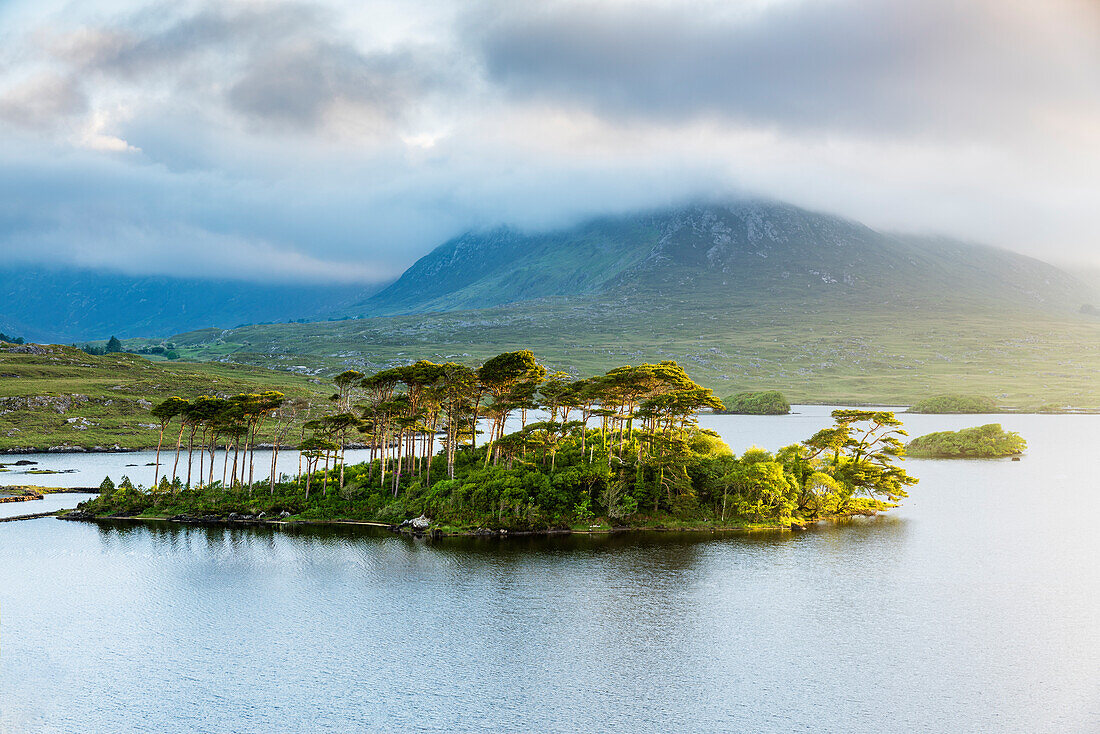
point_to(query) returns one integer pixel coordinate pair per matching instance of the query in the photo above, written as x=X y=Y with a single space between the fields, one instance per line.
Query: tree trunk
x=225 y=465
x=309 y=472
x=179 y=443
x=213 y=452
x=324 y=485
x=156 y=471
x=236 y=454
x=342 y=450
x=274 y=461
x=202 y=456
x=252 y=454
x=190 y=448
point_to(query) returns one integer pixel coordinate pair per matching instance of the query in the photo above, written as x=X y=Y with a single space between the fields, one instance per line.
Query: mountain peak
x=746 y=247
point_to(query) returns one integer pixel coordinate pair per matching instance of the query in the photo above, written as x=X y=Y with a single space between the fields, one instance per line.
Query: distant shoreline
x=62 y=450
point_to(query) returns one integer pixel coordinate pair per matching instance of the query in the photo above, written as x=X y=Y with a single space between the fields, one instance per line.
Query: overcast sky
x=342 y=140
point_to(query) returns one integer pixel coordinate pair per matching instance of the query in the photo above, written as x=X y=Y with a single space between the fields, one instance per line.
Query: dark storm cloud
x=886 y=66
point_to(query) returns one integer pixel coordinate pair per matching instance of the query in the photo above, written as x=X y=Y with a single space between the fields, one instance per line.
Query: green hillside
x=59 y=396
x=749 y=296
x=876 y=354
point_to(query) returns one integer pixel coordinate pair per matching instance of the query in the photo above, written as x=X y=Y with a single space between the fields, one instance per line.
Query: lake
x=973 y=607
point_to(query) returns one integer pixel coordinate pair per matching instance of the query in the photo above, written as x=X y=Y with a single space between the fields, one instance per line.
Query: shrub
x=769 y=402
x=955 y=404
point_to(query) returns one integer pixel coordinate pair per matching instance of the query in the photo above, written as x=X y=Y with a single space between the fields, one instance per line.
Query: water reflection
x=970 y=608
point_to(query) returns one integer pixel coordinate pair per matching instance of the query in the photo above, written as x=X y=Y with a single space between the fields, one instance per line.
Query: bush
x=955 y=404
x=768 y=402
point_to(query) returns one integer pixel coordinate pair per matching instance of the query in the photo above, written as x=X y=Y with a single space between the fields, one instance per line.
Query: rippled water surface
x=974 y=607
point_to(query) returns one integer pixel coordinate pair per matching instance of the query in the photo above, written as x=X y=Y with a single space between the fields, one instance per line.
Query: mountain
x=749 y=250
x=746 y=295
x=73 y=304
x=734 y=253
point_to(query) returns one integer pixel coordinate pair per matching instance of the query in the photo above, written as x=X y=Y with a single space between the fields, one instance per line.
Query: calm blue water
x=974 y=607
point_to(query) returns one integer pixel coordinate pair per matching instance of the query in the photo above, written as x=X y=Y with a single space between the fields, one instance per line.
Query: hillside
x=744 y=252
x=59 y=396
x=748 y=296
x=76 y=305
x=881 y=354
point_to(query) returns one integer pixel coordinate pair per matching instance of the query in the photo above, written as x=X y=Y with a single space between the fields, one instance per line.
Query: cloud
x=336 y=140
x=42 y=100
x=876 y=67
x=281 y=64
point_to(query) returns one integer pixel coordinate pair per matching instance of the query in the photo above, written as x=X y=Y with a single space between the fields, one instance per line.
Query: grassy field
x=815 y=353
x=64 y=397
x=812 y=353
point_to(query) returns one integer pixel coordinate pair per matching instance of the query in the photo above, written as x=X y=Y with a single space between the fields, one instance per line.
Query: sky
x=340 y=141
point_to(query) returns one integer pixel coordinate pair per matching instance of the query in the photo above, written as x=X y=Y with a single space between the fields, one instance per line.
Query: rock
x=24 y=462
x=23 y=349
x=76 y=515
x=420 y=523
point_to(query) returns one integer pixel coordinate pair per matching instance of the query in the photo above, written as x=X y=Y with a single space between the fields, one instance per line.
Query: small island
x=614 y=451
x=950 y=404
x=990 y=441
x=767 y=402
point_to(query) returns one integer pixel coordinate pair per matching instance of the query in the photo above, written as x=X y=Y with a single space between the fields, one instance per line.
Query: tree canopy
x=621 y=448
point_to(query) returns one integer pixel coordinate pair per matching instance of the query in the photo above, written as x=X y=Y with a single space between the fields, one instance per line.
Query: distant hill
x=70 y=304
x=748 y=252
x=745 y=253
x=59 y=396
x=746 y=295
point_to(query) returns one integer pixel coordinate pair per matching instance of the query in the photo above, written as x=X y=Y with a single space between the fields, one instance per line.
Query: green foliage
x=769 y=402
x=981 y=442
x=106 y=486
x=955 y=404
x=648 y=462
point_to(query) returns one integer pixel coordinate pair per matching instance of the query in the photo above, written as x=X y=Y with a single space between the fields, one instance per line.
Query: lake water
x=973 y=607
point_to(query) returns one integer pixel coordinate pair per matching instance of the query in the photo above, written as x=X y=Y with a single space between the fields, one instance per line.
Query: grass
x=65 y=397
x=889 y=354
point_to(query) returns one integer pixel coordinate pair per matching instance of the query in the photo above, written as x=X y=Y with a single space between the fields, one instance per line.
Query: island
x=947 y=404
x=767 y=402
x=612 y=451
x=990 y=441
